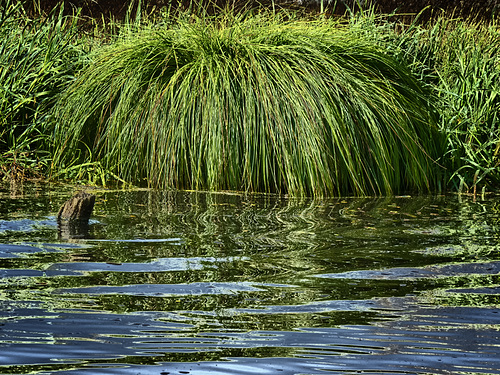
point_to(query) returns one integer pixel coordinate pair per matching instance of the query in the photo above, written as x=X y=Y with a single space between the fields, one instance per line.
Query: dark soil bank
x=485 y=9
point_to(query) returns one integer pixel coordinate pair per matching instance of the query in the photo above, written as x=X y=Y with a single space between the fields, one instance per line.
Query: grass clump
x=252 y=102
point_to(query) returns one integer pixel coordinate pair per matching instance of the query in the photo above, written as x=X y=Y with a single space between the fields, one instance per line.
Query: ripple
x=404 y=273
x=15 y=250
x=159 y=265
x=166 y=289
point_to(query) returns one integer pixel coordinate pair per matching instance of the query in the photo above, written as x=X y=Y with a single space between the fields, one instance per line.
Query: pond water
x=205 y=283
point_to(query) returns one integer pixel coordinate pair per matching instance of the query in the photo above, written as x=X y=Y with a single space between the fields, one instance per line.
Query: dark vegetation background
x=97 y=9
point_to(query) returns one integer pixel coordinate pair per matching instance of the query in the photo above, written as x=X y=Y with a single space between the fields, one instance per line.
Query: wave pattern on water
x=176 y=283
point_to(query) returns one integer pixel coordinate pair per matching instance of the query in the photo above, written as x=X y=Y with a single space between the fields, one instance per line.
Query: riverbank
x=417 y=112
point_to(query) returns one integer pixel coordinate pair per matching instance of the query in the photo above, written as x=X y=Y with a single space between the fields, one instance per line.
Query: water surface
x=197 y=283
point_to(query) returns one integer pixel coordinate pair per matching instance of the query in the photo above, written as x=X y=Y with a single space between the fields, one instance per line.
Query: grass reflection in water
x=172 y=282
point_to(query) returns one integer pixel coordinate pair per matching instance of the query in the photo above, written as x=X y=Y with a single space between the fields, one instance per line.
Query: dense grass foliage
x=469 y=90
x=460 y=60
x=251 y=102
x=257 y=101
x=37 y=61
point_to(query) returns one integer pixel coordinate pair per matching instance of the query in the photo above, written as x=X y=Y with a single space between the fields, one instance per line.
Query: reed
x=460 y=60
x=469 y=80
x=38 y=59
x=250 y=101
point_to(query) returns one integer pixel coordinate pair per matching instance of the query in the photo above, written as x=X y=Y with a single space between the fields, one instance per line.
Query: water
x=199 y=283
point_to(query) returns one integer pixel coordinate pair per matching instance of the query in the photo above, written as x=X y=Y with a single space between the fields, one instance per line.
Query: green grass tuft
x=250 y=102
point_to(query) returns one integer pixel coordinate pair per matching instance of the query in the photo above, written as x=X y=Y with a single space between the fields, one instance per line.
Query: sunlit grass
x=250 y=102
x=253 y=102
x=38 y=60
x=469 y=87
x=460 y=60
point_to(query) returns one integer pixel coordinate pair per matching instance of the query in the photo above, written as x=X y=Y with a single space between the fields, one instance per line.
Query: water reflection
x=178 y=282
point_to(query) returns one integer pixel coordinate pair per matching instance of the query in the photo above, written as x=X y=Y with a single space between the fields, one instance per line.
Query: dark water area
x=206 y=283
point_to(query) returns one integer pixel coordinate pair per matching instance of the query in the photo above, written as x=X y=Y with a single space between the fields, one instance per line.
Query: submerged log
x=73 y=216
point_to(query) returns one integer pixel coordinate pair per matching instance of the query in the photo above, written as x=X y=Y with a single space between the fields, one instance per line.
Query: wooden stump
x=73 y=216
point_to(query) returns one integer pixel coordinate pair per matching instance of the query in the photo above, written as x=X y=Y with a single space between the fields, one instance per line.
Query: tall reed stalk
x=252 y=102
